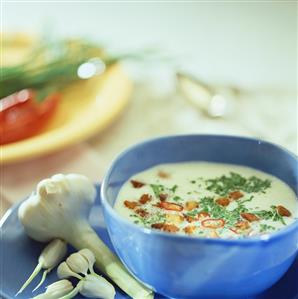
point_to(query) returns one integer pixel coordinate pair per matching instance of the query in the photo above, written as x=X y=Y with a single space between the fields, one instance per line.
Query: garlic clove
x=95 y=286
x=49 y=258
x=77 y=263
x=89 y=256
x=53 y=254
x=63 y=271
x=59 y=287
x=56 y=290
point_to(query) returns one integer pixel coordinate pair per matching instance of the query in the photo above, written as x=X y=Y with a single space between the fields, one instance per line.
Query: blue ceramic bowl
x=189 y=267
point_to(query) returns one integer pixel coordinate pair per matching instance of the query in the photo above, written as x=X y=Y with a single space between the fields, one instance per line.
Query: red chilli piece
x=137 y=184
x=145 y=198
x=213 y=223
x=170 y=206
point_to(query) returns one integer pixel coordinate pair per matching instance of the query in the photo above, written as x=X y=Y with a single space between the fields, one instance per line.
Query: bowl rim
x=259 y=239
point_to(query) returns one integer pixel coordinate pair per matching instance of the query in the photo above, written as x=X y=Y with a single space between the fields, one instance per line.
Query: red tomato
x=22 y=117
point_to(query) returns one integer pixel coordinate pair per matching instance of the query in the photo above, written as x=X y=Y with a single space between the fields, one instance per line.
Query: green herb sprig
x=148 y=221
x=159 y=189
x=52 y=65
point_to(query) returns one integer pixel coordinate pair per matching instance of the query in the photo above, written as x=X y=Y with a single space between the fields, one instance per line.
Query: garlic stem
x=44 y=275
x=31 y=277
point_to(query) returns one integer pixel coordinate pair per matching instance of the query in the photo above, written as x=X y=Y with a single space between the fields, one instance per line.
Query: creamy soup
x=207 y=200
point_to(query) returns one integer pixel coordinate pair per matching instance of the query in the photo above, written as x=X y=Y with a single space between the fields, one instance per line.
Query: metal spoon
x=206 y=98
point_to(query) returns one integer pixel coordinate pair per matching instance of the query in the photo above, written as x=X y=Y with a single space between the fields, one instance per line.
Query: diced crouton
x=137 y=184
x=189 y=229
x=250 y=217
x=191 y=205
x=174 y=218
x=223 y=201
x=282 y=211
x=145 y=198
x=131 y=204
x=236 y=195
x=170 y=206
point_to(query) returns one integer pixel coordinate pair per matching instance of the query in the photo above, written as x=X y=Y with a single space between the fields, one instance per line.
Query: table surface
x=270 y=115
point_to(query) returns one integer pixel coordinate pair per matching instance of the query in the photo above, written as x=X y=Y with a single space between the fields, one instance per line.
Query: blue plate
x=19 y=254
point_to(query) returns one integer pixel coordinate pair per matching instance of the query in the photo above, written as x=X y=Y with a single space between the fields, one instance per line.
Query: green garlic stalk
x=50 y=257
x=59 y=209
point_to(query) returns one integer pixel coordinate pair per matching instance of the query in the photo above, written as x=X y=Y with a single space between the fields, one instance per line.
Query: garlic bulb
x=60 y=208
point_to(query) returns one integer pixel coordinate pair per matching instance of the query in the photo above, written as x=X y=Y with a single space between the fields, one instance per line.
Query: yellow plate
x=86 y=108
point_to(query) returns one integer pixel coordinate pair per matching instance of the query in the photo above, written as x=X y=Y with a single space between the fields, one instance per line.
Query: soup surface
x=207 y=200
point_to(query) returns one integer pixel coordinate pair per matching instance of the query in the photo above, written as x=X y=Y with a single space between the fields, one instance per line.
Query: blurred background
x=220 y=67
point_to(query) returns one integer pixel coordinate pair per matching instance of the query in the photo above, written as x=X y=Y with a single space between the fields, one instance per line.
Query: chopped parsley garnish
x=174 y=188
x=207 y=204
x=177 y=198
x=266 y=227
x=192 y=213
x=270 y=215
x=154 y=218
x=234 y=181
x=157 y=189
x=240 y=205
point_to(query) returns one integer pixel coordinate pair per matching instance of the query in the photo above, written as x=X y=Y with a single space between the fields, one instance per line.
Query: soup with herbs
x=207 y=200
